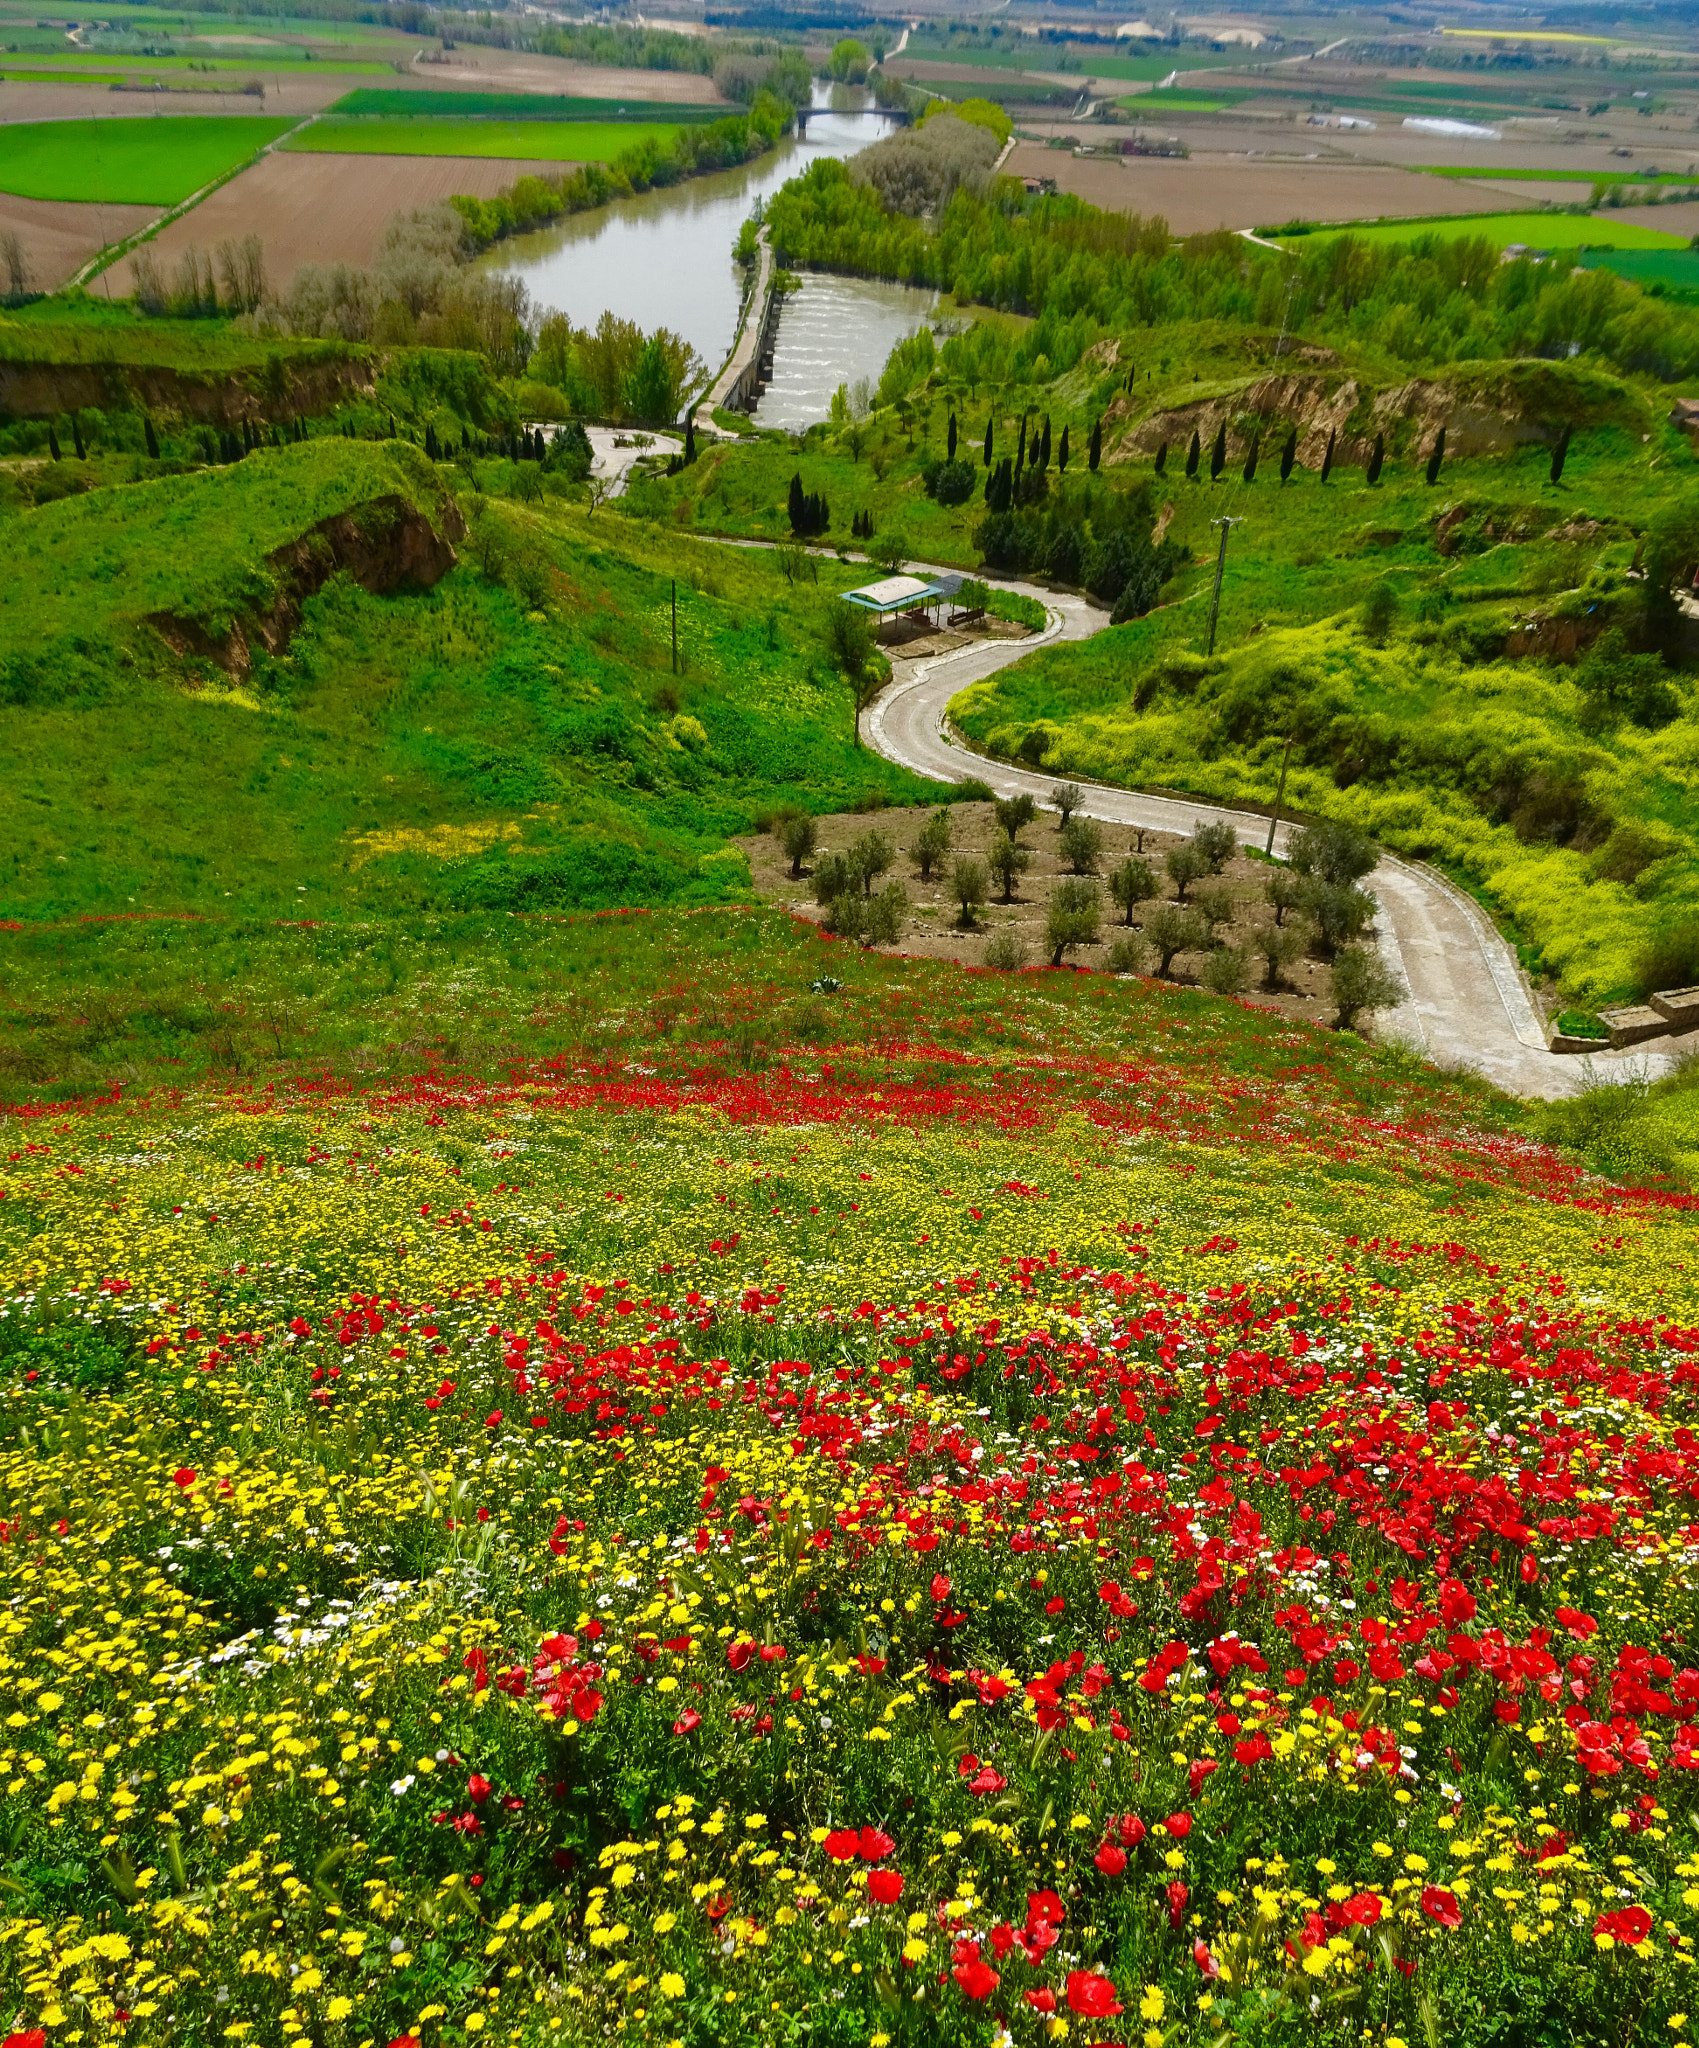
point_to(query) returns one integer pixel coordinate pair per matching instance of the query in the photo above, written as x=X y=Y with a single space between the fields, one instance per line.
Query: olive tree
x=1131 y=883
x=1361 y=981
x=1067 y=798
x=968 y=884
x=1174 y=928
x=799 y=837
x=932 y=844
x=1007 y=860
x=1081 y=842
x=1072 y=918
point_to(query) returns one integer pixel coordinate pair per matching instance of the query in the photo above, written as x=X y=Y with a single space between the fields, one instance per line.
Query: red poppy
x=1092 y=1996
x=940 y=1586
x=872 y=1844
x=1178 y=1899
x=477 y=1788
x=1179 y=1825
x=1044 y=1909
x=1041 y=2001
x=1206 y=1963
x=1362 y=1911
x=687 y=1722
x=1110 y=1861
x=35 y=2037
x=843 y=1845
x=1630 y=1925
x=977 y=1978
x=1441 y=1906
x=185 y=1477
x=586 y=1705
x=988 y=1780
x=739 y=1654
x=400 y=2041
x=884 y=1887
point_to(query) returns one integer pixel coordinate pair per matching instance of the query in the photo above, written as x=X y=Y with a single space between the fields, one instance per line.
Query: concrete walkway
x=1467 y=1003
x=748 y=338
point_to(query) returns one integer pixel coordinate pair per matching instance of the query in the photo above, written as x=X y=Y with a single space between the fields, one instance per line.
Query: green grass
x=1176 y=101
x=1544 y=177
x=1080 y=59
x=80 y=328
x=452 y=749
x=1677 y=267
x=408 y=104
x=1537 y=230
x=153 y=161
x=540 y=141
x=245 y=64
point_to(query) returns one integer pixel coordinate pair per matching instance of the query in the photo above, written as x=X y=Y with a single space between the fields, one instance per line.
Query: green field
x=1559 y=177
x=152 y=161
x=1536 y=230
x=540 y=141
x=212 y=63
x=1087 y=62
x=1174 y=101
x=1670 y=267
x=407 y=104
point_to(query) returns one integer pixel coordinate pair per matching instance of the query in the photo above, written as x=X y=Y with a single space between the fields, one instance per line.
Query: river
x=664 y=259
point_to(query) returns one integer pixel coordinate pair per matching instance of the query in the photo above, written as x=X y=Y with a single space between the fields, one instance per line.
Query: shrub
x=1362 y=981
x=834 y=877
x=1670 y=958
x=951 y=483
x=1227 y=973
x=1132 y=883
x=1072 y=918
x=799 y=837
x=1081 y=842
x=1616 y=683
x=1172 y=928
x=885 y=916
x=1007 y=860
x=1377 y=612
x=932 y=844
x=1128 y=954
x=1015 y=813
x=845 y=914
x=1004 y=951
x=968 y=885
x=1630 y=850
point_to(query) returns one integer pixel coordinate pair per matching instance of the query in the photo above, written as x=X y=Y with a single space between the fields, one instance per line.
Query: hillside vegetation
x=212 y=702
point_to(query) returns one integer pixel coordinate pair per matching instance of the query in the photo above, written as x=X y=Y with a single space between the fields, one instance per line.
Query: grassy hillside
x=513 y=735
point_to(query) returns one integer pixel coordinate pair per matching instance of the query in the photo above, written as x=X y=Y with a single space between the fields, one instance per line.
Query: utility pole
x=675 y=625
x=1226 y=525
x=1279 y=797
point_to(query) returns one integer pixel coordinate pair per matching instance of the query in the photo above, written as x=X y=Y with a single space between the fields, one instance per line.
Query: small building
x=899 y=597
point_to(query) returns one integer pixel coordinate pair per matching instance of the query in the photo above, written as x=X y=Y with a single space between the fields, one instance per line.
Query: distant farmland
x=538 y=141
x=1537 y=230
x=154 y=161
x=405 y=103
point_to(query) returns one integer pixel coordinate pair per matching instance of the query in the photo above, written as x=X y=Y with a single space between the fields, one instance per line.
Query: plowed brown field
x=1199 y=193
x=323 y=209
x=59 y=236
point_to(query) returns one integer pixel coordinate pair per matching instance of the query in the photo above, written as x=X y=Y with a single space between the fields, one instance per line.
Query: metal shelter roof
x=894 y=594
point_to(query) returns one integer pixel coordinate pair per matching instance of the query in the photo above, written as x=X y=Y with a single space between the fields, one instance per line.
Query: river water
x=664 y=259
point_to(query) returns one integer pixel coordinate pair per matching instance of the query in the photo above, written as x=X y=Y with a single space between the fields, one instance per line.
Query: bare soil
x=1201 y=193
x=488 y=70
x=1681 y=218
x=321 y=209
x=297 y=94
x=60 y=235
x=935 y=930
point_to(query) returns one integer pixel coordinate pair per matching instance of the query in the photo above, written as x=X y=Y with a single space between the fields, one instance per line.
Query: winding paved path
x=1466 y=1004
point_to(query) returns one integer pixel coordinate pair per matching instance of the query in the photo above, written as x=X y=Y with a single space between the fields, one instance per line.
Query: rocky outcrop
x=385 y=544
x=285 y=386
x=1483 y=413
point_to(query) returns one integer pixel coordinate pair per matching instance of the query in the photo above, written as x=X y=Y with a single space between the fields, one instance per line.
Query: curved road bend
x=1466 y=1001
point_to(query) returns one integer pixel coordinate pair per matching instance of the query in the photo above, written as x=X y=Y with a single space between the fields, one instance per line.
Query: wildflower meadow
x=866 y=1540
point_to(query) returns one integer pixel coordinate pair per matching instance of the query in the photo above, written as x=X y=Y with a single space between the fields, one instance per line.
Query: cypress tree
x=1372 y=473
x=1062 y=453
x=1094 y=453
x=1327 y=459
x=152 y=438
x=53 y=444
x=1251 y=459
x=950 y=452
x=1560 y=455
x=690 y=440
x=1020 y=452
x=1218 y=454
x=1289 y=455
x=794 y=507
x=1162 y=459
x=988 y=426
x=77 y=438
x=1437 y=457
x=1044 y=449
x=1192 y=456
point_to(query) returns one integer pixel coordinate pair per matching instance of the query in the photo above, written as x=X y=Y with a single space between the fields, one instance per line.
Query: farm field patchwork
x=156 y=160
x=1536 y=230
x=538 y=141
x=1038 y=1510
x=408 y=103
